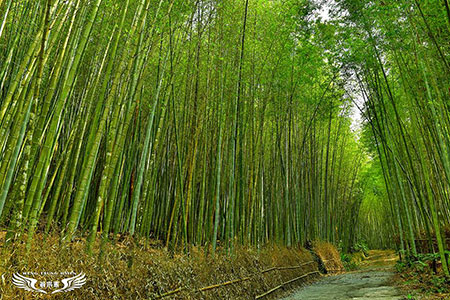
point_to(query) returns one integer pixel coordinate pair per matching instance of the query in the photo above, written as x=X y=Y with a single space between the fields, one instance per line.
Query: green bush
x=416 y=270
x=348 y=262
x=361 y=246
x=439 y=285
x=400 y=266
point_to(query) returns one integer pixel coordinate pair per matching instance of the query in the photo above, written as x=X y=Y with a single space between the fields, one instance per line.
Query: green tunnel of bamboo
x=212 y=123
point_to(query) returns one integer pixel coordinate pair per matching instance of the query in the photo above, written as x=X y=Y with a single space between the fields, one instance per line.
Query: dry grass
x=139 y=270
x=329 y=255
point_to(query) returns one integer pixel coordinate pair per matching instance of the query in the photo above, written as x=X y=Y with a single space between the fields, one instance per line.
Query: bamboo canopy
x=213 y=123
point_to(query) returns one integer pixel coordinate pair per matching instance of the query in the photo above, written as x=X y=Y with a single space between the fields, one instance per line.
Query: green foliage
x=417 y=271
x=361 y=246
x=439 y=285
x=420 y=262
x=192 y=122
x=400 y=266
x=348 y=262
x=221 y=122
x=396 y=52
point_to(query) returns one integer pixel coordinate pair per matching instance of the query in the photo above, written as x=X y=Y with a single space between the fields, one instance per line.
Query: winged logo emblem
x=72 y=283
x=26 y=283
x=29 y=284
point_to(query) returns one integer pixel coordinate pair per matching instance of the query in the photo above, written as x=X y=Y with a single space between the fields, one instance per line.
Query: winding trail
x=373 y=281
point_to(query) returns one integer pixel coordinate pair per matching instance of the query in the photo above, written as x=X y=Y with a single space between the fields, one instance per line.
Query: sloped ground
x=359 y=285
x=134 y=269
x=374 y=281
x=383 y=258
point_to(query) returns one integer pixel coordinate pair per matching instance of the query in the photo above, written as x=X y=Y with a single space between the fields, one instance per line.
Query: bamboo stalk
x=284 y=284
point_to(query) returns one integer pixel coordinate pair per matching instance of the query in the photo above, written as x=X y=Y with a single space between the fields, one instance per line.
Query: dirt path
x=373 y=281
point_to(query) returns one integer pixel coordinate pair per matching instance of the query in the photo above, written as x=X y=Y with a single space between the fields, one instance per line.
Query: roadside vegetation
x=226 y=125
x=358 y=253
x=142 y=269
x=422 y=278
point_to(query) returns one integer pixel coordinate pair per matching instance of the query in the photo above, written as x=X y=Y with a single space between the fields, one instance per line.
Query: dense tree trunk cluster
x=404 y=79
x=211 y=123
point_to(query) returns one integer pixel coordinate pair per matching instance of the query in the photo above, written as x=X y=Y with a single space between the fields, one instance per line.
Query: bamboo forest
x=214 y=149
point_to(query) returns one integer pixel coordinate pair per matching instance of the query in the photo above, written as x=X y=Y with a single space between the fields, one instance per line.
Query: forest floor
x=133 y=268
x=374 y=280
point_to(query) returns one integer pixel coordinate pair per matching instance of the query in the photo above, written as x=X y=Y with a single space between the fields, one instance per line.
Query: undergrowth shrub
x=424 y=273
x=361 y=246
x=349 y=263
